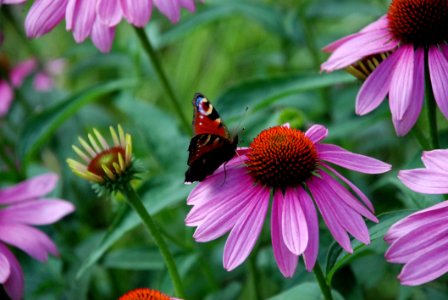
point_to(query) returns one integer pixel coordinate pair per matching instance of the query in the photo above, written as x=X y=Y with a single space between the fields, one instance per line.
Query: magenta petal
x=39 y=212
x=322 y=201
x=109 y=12
x=21 y=71
x=436 y=160
x=188 y=4
x=294 y=227
x=316 y=133
x=350 y=160
x=6 y=96
x=374 y=90
x=103 y=36
x=42 y=82
x=169 y=8
x=427 y=267
x=32 y=188
x=312 y=249
x=5 y=268
x=286 y=260
x=12 y=1
x=438 y=70
x=14 y=284
x=425 y=181
x=32 y=241
x=245 y=233
x=83 y=16
x=43 y=16
x=137 y=12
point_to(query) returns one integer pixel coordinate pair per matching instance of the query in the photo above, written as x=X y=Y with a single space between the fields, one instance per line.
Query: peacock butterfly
x=211 y=145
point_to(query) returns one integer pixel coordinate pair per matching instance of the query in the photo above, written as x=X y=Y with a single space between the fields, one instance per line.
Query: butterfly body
x=212 y=145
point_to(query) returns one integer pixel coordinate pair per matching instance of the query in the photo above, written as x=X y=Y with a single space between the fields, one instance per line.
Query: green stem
x=431 y=105
x=324 y=287
x=418 y=134
x=136 y=203
x=150 y=51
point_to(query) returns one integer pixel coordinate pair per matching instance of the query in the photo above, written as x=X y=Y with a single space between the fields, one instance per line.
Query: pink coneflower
x=20 y=207
x=145 y=294
x=293 y=166
x=420 y=241
x=96 y=18
x=392 y=53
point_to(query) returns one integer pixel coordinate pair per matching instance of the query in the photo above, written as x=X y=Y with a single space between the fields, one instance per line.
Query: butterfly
x=211 y=145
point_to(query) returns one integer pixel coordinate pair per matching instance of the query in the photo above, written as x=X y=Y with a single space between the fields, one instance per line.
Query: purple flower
x=21 y=207
x=420 y=241
x=392 y=53
x=97 y=18
x=294 y=166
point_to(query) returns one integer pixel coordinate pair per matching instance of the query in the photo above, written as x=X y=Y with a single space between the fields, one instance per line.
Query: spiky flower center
x=281 y=157
x=420 y=22
x=144 y=294
x=106 y=158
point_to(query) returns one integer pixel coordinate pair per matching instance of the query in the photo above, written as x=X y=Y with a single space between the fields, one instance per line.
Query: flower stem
x=324 y=287
x=431 y=105
x=418 y=134
x=150 y=51
x=136 y=203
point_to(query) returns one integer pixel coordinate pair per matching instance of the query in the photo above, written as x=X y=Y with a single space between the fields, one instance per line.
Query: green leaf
x=337 y=258
x=134 y=259
x=41 y=127
x=305 y=291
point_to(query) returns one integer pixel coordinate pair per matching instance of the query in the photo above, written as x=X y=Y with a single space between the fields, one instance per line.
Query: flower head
x=294 y=166
x=392 y=54
x=22 y=206
x=145 y=294
x=108 y=166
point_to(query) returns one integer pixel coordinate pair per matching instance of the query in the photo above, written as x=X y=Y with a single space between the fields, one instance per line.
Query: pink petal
x=30 y=189
x=6 y=96
x=401 y=85
x=12 y=1
x=103 y=36
x=294 y=227
x=376 y=87
x=426 y=267
x=137 y=12
x=322 y=201
x=381 y=23
x=438 y=70
x=40 y=212
x=316 y=133
x=188 y=4
x=436 y=160
x=109 y=12
x=286 y=260
x=43 y=16
x=5 y=268
x=245 y=233
x=358 y=47
x=14 y=284
x=425 y=181
x=169 y=8
x=21 y=71
x=43 y=82
x=416 y=98
x=350 y=160
x=32 y=241
x=312 y=249
x=80 y=17
x=355 y=189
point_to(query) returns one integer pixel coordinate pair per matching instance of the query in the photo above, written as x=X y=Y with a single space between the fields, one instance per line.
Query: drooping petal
x=316 y=133
x=32 y=241
x=169 y=8
x=312 y=249
x=109 y=12
x=6 y=96
x=43 y=16
x=30 y=189
x=350 y=160
x=322 y=201
x=414 y=107
x=438 y=71
x=375 y=89
x=103 y=36
x=80 y=17
x=14 y=284
x=39 y=212
x=294 y=227
x=12 y=1
x=188 y=4
x=286 y=260
x=5 y=268
x=245 y=233
x=21 y=71
x=425 y=181
x=137 y=12
x=436 y=160
x=42 y=82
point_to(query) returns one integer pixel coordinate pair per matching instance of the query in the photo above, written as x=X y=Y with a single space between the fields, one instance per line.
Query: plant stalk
x=324 y=287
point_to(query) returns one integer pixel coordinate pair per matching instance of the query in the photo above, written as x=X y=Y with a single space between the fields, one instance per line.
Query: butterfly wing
x=211 y=145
